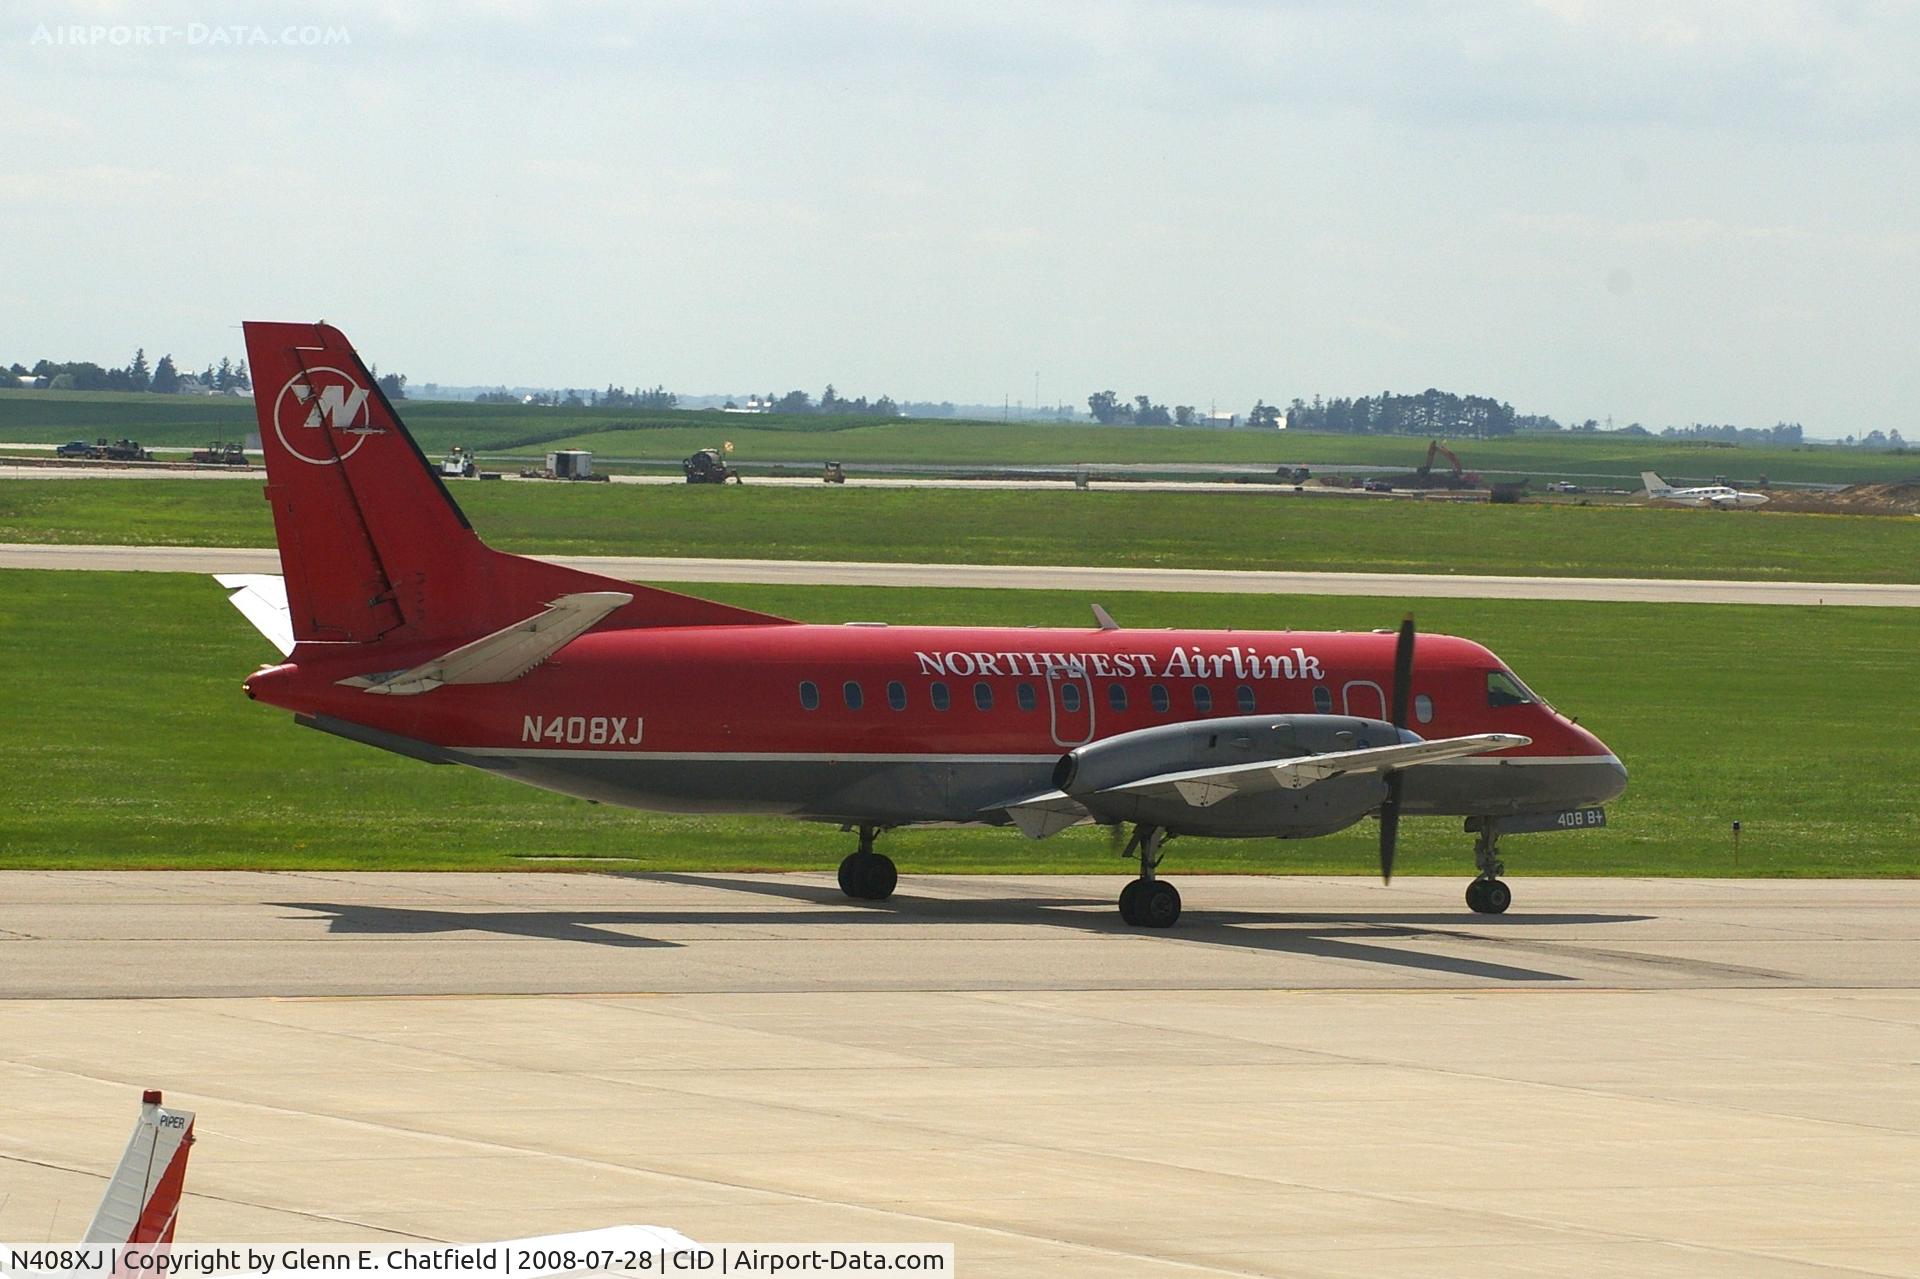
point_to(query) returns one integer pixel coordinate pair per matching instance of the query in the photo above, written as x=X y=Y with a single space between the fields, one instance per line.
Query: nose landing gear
x=867 y=875
x=1488 y=894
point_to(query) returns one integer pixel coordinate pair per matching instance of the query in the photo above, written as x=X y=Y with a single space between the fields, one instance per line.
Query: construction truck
x=834 y=473
x=121 y=450
x=219 y=453
x=708 y=466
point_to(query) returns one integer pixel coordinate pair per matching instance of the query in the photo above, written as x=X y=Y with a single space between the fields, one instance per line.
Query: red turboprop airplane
x=402 y=630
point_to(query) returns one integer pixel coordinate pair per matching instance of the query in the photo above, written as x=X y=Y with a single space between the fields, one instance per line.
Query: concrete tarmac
x=641 y=568
x=1309 y=1076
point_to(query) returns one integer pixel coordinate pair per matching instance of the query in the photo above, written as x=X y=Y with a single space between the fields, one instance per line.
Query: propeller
x=1402 y=695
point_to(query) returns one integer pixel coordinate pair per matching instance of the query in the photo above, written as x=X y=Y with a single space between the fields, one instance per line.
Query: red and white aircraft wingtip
x=142 y=1202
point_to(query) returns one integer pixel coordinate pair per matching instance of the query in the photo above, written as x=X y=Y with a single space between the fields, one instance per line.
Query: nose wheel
x=866 y=875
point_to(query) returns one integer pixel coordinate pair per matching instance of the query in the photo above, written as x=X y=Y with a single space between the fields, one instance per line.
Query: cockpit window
x=1504 y=690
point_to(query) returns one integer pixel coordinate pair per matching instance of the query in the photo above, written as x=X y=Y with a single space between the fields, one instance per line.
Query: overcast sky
x=1666 y=211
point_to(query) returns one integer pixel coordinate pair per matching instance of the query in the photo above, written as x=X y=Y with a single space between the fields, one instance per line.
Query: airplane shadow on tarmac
x=1353 y=936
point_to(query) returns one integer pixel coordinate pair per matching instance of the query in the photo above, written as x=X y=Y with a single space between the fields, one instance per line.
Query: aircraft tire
x=1130 y=902
x=1489 y=897
x=868 y=876
x=1158 y=905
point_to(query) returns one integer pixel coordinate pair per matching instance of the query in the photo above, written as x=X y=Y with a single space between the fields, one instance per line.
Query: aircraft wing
x=1048 y=814
x=1039 y=816
x=1204 y=787
x=505 y=655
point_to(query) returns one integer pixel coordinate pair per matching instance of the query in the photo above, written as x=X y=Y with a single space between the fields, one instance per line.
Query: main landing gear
x=1488 y=894
x=867 y=875
x=1148 y=902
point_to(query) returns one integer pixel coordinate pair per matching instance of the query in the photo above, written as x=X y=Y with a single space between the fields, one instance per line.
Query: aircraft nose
x=1606 y=776
x=1617 y=773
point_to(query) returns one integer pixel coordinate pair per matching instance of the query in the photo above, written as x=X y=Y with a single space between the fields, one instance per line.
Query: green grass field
x=127 y=744
x=52 y=417
x=1200 y=530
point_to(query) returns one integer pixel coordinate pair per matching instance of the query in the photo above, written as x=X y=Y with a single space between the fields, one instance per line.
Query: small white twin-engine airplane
x=1706 y=495
x=142 y=1201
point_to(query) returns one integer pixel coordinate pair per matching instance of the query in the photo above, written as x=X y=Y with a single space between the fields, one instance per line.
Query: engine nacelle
x=1088 y=773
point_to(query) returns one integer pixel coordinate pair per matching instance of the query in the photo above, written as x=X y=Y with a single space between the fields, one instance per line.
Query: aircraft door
x=1364 y=698
x=1070 y=707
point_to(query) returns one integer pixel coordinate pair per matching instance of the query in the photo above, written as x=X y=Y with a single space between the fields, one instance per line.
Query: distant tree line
x=1778 y=433
x=830 y=402
x=1109 y=409
x=163 y=378
x=1877 y=440
x=1431 y=412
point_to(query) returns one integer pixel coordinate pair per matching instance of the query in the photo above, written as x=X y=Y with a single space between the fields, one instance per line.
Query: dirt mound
x=1901 y=498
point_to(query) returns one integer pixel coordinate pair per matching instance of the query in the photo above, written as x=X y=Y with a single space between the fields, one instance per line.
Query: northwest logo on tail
x=330 y=402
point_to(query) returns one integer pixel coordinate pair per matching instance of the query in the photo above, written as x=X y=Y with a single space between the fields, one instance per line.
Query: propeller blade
x=1389 y=826
x=1402 y=696
x=1403 y=672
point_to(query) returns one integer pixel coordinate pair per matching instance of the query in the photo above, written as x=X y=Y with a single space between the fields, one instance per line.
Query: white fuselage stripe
x=807 y=757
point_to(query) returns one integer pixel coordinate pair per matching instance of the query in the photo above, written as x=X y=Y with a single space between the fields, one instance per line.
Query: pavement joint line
x=1350 y=1059
x=685 y=1178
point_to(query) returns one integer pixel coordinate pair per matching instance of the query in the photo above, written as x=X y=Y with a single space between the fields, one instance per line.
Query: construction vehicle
x=835 y=474
x=709 y=467
x=219 y=453
x=458 y=463
x=1454 y=478
x=121 y=450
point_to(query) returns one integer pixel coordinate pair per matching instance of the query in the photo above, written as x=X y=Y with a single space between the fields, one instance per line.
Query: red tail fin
x=371 y=542
x=142 y=1202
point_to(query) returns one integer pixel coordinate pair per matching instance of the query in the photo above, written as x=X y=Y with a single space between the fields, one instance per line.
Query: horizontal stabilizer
x=262 y=600
x=1048 y=814
x=1206 y=787
x=506 y=654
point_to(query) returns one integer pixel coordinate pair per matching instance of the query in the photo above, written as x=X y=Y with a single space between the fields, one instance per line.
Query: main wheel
x=1489 y=897
x=868 y=876
x=1130 y=901
x=1158 y=905
x=883 y=877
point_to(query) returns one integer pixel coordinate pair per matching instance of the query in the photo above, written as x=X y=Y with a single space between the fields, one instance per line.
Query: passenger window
x=809 y=695
x=939 y=694
x=851 y=691
x=1323 y=699
x=983 y=695
x=1423 y=708
x=1244 y=695
x=1070 y=697
x=1161 y=702
x=1203 y=699
x=897 y=695
x=1504 y=690
x=1024 y=694
x=1117 y=696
